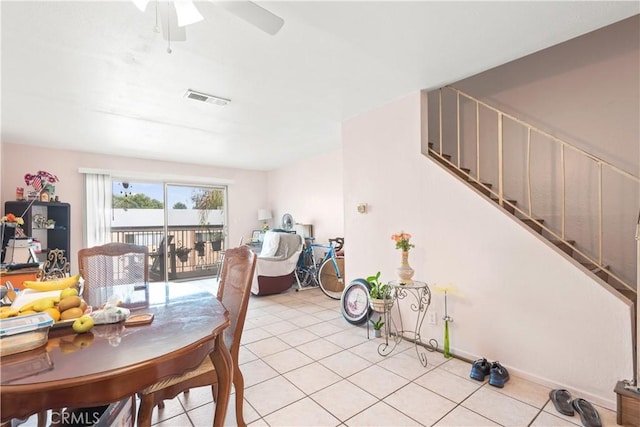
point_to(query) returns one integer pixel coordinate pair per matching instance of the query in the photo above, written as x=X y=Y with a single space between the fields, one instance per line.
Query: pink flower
x=402 y=241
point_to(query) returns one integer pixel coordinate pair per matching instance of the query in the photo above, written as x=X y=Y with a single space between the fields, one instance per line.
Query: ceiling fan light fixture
x=203 y=97
x=187 y=12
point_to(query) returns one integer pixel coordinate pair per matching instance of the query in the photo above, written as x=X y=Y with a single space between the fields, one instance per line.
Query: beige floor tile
x=264 y=318
x=526 y=391
x=448 y=385
x=500 y=408
x=405 y=364
x=197 y=397
x=421 y=404
x=171 y=409
x=245 y=355
x=346 y=339
x=382 y=415
x=306 y=320
x=287 y=360
x=260 y=422
x=203 y=415
x=458 y=367
x=313 y=377
x=323 y=329
x=319 y=348
x=297 y=337
x=254 y=312
x=344 y=399
x=304 y=412
x=289 y=313
x=549 y=408
x=369 y=349
x=311 y=308
x=253 y=335
x=181 y=420
x=545 y=419
x=327 y=314
x=278 y=328
x=271 y=395
x=461 y=416
x=256 y=372
x=378 y=381
x=267 y=346
x=345 y=363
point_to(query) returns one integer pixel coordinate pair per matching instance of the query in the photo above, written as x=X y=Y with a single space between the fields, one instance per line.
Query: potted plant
x=379 y=293
x=377 y=326
x=183 y=253
x=199 y=247
x=216 y=241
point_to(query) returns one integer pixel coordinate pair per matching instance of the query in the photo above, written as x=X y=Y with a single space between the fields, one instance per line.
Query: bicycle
x=328 y=273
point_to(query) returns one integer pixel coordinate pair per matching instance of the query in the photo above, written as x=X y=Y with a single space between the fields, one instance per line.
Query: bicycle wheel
x=355 y=302
x=331 y=285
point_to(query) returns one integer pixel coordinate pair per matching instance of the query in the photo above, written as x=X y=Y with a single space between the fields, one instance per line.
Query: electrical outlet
x=433 y=318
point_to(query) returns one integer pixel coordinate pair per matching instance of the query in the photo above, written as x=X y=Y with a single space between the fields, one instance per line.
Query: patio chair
x=233 y=292
x=159 y=264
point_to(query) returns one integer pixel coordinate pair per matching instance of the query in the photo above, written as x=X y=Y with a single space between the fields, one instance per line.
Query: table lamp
x=264 y=215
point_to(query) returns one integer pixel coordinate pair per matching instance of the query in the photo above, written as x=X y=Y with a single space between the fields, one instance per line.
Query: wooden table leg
x=223 y=363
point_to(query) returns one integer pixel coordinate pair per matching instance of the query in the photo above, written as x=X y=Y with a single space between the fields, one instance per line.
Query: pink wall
x=246 y=194
x=518 y=298
x=584 y=91
x=311 y=191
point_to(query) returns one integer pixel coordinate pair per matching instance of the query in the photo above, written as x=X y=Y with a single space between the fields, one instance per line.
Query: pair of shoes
x=565 y=405
x=498 y=374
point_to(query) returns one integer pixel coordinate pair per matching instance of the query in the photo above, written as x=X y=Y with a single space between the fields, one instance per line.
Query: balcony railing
x=192 y=251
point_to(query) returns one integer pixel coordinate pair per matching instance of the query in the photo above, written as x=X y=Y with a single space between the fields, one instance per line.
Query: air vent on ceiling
x=203 y=97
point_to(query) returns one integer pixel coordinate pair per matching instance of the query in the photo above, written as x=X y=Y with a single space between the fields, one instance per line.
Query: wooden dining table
x=114 y=361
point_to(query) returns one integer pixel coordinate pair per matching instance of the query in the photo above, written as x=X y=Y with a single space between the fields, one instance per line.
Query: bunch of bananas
x=63 y=306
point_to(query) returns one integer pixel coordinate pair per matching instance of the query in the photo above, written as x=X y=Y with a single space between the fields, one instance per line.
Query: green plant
x=378 y=324
x=378 y=290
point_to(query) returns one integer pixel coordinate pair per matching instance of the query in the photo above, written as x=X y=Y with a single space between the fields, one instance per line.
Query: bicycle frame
x=313 y=269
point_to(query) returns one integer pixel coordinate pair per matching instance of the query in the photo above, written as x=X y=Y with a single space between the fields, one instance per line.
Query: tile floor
x=304 y=365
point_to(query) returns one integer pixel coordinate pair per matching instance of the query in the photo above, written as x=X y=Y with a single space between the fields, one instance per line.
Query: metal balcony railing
x=192 y=251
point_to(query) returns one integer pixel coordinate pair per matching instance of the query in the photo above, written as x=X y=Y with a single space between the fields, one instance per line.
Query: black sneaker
x=480 y=369
x=499 y=375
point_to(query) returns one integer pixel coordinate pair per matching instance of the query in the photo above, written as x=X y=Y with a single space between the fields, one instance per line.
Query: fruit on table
x=68 y=292
x=42 y=305
x=83 y=324
x=72 y=313
x=31 y=305
x=54 y=313
x=8 y=312
x=52 y=285
x=24 y=313
x=69 y=302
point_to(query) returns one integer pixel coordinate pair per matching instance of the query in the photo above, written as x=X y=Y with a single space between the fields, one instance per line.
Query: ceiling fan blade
x=187 y=12
x=254 y=14
x=169 y=22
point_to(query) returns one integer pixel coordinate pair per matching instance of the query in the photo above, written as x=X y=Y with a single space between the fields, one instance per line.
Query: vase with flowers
x=403 y=242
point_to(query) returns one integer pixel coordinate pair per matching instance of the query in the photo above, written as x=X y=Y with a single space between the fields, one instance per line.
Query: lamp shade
x=264 y=214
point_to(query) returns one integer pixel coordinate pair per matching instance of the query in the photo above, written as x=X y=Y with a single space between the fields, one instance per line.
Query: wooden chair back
x=110 y=265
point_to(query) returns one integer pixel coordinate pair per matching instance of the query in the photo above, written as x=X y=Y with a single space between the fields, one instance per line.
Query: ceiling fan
x=175 y=19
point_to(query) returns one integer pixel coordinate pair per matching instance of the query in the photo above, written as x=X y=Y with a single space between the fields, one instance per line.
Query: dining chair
x=234 y=292
x=113 y=264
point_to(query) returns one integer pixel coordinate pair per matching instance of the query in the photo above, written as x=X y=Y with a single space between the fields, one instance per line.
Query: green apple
x=68 y=292
x=83 y=324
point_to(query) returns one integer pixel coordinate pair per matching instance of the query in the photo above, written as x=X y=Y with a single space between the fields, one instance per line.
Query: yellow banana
x=51 y=285
x=7 y=312
x=30 y=305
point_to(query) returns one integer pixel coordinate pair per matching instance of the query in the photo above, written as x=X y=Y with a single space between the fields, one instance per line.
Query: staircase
x=590 y=263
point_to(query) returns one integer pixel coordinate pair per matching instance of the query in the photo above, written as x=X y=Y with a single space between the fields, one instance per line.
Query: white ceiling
x=94 y=76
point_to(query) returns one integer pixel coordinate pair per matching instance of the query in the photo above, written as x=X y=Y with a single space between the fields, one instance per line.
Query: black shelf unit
x=58 y=237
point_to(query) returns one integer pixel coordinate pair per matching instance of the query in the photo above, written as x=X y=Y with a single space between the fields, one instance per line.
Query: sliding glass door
x=182 y=225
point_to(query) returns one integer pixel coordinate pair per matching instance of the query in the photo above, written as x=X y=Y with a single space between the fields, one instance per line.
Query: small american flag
x=37 y=183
